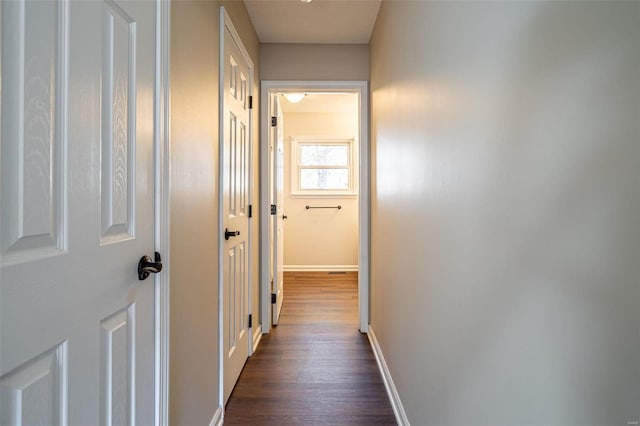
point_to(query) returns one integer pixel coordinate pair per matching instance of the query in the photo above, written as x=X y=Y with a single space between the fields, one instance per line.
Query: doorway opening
x=314 y=187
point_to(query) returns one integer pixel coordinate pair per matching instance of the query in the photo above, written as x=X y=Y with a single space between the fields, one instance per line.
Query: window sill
x=330 y=195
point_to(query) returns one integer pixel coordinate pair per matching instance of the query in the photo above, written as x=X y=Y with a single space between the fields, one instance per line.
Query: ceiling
x=321 y=21
x=323 y=102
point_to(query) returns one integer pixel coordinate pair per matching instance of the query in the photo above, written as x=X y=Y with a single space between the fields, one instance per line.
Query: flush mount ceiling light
x=294 y=98
x=306 y=1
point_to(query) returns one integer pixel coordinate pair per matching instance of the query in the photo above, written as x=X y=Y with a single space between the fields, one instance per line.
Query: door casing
x=162 y=152
x=268 y=88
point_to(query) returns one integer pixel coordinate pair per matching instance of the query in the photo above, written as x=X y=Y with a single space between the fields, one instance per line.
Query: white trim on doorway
x=269 y=87
x=162 y=119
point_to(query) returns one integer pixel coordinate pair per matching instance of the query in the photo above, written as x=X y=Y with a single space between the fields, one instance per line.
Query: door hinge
x=274 y=121
x=274 y=209
x=273 y=298
x=250 y=210
x=250 y=321
x=250 y=102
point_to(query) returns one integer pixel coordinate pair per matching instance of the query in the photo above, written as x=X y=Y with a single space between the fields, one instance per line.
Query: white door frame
x=162 y=120
x=226 y=23
x=269 y=87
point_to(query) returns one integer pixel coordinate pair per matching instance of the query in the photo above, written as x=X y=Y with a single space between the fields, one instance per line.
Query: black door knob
x=228 y=234
x=146 y=266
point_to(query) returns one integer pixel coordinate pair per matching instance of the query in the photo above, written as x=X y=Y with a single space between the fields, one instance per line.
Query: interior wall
x=195 y=30
x=319 y=238
x=314 y=62
x=505 y=206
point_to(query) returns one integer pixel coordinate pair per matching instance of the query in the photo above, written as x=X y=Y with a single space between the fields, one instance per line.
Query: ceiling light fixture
x=306 y=1
x=294 y=98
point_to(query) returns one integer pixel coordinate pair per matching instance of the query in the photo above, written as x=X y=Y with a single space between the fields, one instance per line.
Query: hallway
x=315 y=367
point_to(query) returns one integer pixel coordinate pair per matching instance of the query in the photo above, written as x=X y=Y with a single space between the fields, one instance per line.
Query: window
x=323 y=167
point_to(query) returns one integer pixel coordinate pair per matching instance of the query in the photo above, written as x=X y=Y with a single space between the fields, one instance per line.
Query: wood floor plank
x=315 y=367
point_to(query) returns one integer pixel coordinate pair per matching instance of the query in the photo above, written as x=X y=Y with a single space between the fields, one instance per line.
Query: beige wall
x=319 y=237
x=505 y=206
x=194 y=204
x=338 y=62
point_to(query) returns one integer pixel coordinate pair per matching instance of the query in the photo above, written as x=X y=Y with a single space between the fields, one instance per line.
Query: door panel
x=278 y=152
x=235 y=219
x=117 y=354
x=118 y=124
x=77 y=326
x=34 y=75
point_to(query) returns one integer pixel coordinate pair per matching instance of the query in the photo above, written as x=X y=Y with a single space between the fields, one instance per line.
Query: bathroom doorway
x=314 y=187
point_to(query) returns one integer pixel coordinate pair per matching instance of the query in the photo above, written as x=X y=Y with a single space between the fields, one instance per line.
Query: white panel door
x=236 y=77
x=76 y=193
x=280 y=217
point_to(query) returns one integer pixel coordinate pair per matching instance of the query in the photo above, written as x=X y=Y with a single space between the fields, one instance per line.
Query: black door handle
x=228 y=233
x=147 y=267
x=285 y=217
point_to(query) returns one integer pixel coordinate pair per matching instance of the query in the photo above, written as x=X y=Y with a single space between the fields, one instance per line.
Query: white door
x=280 y=217
x=236 y=77
x=77 y=326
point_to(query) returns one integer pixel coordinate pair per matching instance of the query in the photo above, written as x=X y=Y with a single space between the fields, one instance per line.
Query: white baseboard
x=257 y=336
x=217 y=418
x=396 y=404
x=328 y=268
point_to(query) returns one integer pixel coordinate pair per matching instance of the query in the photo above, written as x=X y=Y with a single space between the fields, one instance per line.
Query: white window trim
x=296 y=141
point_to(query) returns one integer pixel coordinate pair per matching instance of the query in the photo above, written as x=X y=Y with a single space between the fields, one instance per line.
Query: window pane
x=324 y=179
x=324 y=155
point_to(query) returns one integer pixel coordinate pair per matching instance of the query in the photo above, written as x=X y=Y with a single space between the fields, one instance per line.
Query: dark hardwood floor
x=315 y=367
